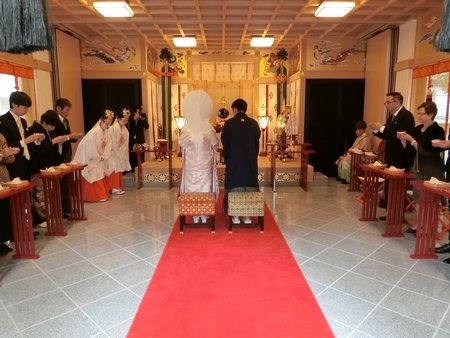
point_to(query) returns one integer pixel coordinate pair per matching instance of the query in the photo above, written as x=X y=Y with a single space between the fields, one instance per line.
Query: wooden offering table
x=139 y=163
x=427 y=219
x=76 y=193
x=355 y=160
x=22 y=223
x=396 y=198
x=51 y=183
x=304 y=154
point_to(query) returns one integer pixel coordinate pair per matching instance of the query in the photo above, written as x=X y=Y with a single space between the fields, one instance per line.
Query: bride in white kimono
x=119 y=160
x=198 y=141
x=93 y=150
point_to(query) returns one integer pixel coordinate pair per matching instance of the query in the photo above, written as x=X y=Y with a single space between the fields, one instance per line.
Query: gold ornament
x=109 y=114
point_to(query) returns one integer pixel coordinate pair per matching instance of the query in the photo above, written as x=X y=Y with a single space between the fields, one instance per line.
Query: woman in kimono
x=362 y=143
x=198 y=141
x=94 y=150
x=118 y=162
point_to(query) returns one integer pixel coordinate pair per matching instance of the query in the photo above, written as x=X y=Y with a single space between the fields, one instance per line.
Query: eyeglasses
x=389 y=102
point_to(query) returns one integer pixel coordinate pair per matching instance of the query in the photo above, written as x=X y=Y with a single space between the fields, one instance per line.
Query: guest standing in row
x=399 y=119
x=63 y=151
x=14 y=128
x=41 y=155
x=6 y=234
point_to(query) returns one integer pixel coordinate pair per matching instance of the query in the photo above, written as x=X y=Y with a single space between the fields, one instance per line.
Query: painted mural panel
x=110 y=55
x=152 y=60
x=340 y=54
x=428 y=28
x=270 y=63
x=294 y=59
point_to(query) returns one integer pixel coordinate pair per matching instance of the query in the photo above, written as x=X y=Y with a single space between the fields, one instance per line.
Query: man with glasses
x=399 y=119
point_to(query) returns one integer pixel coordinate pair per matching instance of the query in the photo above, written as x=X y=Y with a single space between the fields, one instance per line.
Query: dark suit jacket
x=8 y=128
x=395 y=154
x=66 y=155
x=42 y=154
x=240 y=139
x=137 y=130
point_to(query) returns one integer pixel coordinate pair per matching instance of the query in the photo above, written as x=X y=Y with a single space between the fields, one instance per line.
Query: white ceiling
x=228 y=25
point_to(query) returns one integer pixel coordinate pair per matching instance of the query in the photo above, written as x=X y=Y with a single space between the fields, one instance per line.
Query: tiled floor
x=90 y=283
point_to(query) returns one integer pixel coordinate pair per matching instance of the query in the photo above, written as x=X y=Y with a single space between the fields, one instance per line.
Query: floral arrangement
x=166 y=55
x=282 y=54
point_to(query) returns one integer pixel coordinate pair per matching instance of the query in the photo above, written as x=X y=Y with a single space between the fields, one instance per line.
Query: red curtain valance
x=435 y=68
x=15 y=70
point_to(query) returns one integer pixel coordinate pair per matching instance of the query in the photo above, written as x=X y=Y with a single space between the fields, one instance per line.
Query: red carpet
x=244 y=284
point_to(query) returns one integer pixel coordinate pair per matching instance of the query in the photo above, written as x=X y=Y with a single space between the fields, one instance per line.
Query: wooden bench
x=196 y=204
x=246 y=204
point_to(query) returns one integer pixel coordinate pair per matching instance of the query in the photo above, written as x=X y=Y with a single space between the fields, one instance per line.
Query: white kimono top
x=94 y=150
x=198 y=141
x=119 y=160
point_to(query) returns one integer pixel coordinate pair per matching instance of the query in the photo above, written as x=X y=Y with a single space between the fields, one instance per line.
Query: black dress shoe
x=443 y=249
x=4 y=247
x=344 y=181
x=382 y=218
x=411 y=231
x=447 y=261
x=66 y=216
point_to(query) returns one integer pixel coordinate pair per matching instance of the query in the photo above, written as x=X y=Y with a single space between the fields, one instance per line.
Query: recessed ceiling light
x=261 y=41
x=185 y=41
x=334 y=9
x=113 y=9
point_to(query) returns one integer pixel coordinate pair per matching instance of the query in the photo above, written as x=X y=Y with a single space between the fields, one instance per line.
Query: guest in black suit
x=14 y=128
x=42 y=153
x=136 y=127
x=399 y=119
x=62 y=152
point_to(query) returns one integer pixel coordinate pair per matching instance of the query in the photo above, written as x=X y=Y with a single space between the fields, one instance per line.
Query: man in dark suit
x=62 y=152
x=136 y=127
x=14 y=128
x=399 y=119
x=240 y=139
